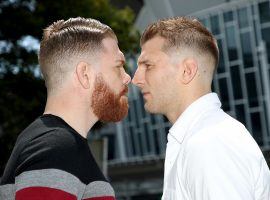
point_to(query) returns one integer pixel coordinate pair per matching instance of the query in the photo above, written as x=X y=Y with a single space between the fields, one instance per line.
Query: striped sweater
x=51 y=161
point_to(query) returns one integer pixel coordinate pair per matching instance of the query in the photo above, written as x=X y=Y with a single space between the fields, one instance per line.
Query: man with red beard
x=83 y=71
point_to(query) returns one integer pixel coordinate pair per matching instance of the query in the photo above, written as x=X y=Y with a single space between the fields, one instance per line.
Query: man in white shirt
x=209 y=155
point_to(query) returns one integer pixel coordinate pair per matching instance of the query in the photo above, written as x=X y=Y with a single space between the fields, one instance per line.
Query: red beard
x=108 y=106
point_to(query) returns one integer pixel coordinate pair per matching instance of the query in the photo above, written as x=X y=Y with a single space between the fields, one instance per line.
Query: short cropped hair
x=64 y=40
x=181 y=32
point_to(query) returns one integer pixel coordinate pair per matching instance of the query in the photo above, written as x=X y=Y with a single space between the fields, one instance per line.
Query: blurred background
x=131 y=152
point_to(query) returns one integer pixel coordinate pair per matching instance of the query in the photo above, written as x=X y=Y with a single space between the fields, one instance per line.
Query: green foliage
x=22 y=93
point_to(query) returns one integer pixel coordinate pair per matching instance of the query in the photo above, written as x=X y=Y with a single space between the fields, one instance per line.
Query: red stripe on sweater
x=101 y=198
x=43 y=193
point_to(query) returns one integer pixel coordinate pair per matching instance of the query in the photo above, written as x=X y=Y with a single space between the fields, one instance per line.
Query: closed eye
x=119 y=66
x=148 y=66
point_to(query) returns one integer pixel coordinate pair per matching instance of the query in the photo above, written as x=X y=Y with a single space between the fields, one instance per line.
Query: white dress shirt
x=211 y=156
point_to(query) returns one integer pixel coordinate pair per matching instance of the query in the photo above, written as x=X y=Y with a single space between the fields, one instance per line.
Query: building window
x=131 y=142
x=265 y=108
x=243 y=18
x=264 y=9
x=215 y=25
x=228 y=16
x=236 y=82
x=111 y=147
x=223 y=88
x=231 y=43
x=266 y=38
x=147 y=138
x=240 y=113
x=221 y=66
x=252 y=89
x=257 y=127
x=246 y=50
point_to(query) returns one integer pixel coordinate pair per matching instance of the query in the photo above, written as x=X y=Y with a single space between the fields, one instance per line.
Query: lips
x=145 y=94
x=124 y=91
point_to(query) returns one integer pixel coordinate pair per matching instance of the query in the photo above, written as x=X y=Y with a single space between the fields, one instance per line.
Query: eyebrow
x=143 y=62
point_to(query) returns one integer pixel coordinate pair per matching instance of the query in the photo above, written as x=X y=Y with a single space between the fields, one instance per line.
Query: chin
x=154 y=108
x=150 y=109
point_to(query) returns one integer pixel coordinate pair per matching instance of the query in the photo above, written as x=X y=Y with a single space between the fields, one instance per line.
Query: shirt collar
x=192 y=114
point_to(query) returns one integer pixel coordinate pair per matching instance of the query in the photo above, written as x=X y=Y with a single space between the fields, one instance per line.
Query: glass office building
x=242 y=29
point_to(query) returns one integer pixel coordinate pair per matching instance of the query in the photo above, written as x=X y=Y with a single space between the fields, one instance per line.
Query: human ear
x=189 y=70
x=83 y=73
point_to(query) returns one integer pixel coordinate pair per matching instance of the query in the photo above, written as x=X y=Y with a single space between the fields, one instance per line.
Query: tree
x=22 y=91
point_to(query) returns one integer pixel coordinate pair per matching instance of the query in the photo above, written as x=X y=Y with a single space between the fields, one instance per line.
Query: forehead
x=152 y=49
x=111 y=49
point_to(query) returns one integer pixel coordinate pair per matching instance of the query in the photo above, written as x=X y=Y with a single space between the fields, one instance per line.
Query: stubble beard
x=153 y=106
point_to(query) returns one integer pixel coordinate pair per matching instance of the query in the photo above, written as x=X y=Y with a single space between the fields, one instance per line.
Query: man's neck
x=78 y=117
x=183 y=104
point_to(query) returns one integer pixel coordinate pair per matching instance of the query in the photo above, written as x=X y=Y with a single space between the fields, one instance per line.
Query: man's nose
x=138 y=79
x=127 y=79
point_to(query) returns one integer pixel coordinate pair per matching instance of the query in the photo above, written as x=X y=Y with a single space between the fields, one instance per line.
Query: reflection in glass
x=243 y=17
x=246 y=50
x=236 y=83
x=214 y=25
x=231 y=43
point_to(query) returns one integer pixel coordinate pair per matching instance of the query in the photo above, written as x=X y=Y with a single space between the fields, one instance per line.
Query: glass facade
x=242 y=79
